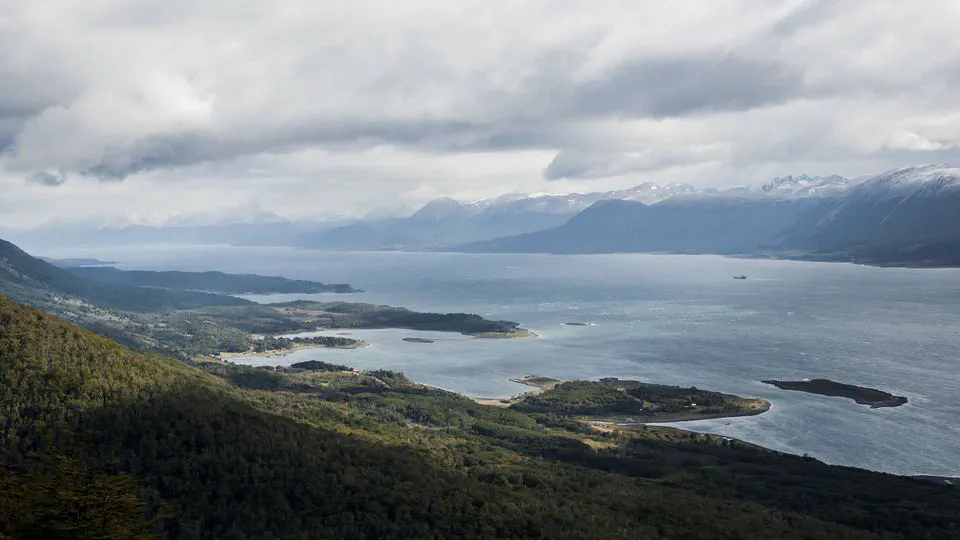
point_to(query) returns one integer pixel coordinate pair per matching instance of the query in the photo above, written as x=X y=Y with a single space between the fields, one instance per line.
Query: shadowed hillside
x=99 y=441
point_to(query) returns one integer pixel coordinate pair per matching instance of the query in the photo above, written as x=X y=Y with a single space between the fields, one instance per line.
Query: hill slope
x=904 y=216
x=98 y=441
x=38 y=282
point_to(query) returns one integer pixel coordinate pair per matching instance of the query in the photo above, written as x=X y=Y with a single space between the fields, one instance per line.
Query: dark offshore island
x=864 y=396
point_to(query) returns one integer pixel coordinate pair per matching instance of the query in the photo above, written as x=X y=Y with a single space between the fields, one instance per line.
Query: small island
x=625 y=402
x=418 y=340
x=825 y=387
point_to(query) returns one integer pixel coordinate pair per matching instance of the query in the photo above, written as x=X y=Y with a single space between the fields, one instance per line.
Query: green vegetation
x=317 y=365
x=217 y=282
x=227 y=328
x=181 y=452
x=269 y=343
x=544 y=383
x=353 y=315
x=187 y=323
x=38 y=282
x=824 y=387
x=613 y=398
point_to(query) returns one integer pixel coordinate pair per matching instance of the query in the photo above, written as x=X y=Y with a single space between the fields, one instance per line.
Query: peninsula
x=278 y=346
x=234 y=329
x=625 y=402
x=825 y=387
x=210 y=281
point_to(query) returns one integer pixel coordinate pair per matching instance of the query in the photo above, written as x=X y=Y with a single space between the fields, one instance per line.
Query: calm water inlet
x=666 y=319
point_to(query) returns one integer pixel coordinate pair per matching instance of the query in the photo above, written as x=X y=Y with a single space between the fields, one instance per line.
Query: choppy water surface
x=666 y=319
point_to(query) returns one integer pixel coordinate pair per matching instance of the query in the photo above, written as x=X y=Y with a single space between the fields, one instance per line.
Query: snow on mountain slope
x=806 y=186
x=910 y=214
x=649 y=193
x=921 y=180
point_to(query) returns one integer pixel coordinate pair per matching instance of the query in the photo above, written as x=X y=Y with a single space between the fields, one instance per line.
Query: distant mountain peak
x=804 y=185
x=917 y=180
x=438 y=209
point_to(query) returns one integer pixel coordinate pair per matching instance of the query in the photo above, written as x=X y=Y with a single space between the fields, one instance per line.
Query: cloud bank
x=312 y=109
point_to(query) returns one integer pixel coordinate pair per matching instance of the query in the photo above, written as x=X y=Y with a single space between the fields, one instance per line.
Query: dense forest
x=98 y=441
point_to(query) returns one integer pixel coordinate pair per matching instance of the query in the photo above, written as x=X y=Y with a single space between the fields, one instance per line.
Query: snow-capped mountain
x=806 y=186
x=918 y=181
x=571 y=203
x=446 y=222
x=650 y=193
x=904 y=215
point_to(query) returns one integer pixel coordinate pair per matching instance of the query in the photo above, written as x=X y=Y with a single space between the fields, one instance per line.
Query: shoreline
x=284 y=352
x=686 y=417
x=546 y=383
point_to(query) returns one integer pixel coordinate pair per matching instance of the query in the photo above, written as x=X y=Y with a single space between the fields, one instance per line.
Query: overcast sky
x=153 y=111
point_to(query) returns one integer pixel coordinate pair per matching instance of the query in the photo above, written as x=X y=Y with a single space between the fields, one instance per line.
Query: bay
x=672 y=319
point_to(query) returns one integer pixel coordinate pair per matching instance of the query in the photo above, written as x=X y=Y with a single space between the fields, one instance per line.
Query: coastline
x=686 y=417
x=541 y=384
x=283 y=352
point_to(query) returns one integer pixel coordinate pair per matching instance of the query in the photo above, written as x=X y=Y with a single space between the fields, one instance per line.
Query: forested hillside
x=37 y=282
x=100 y=442
x=217 y=282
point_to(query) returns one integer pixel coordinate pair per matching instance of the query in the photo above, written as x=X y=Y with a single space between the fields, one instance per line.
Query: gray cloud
x=174 y=150
x=47 y=179
x=805 y=15
x=580 y=165
x=429 y=98
x=662 y=87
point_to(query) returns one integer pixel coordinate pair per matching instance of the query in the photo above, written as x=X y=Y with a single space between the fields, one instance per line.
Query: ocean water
x=671 y=319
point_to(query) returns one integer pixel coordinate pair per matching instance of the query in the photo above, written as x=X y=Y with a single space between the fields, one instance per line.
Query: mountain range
x=445 y=222
x=908 y=216
x=905 y=216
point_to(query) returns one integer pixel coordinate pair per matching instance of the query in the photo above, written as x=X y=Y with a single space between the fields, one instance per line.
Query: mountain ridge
x=33 y=280
x=908 y=216
x=445 y=222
